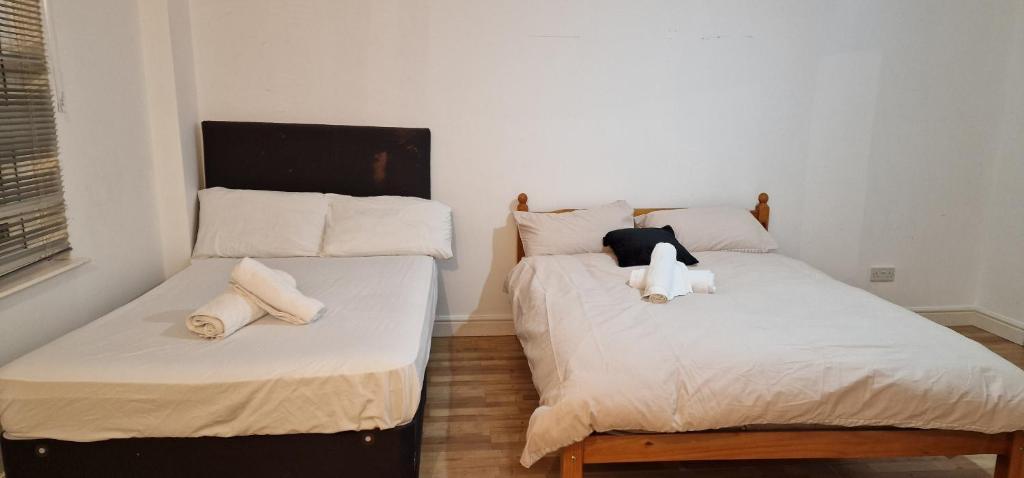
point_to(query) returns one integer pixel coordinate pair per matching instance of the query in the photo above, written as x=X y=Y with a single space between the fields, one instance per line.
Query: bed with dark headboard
x=352 y=160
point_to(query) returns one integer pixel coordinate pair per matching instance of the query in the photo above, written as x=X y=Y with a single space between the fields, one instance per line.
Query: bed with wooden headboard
x=351 y=160
x=781 y=443
x=761 y=212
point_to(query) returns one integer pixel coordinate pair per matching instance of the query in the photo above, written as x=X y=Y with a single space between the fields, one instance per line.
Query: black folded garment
x=633 y=247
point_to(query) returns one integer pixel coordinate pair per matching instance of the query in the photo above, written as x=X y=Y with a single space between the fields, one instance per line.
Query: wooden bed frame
x=353 y=160
x=785 y=444
x=761 y=212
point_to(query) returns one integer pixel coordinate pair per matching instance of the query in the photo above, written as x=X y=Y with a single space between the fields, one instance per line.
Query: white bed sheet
x=137 y=372
x=780 y=343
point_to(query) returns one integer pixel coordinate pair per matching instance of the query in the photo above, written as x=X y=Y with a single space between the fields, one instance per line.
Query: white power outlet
x=883 y=274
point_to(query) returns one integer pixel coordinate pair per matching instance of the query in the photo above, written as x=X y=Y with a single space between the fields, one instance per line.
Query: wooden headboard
x=761 y=212
x=352 y=160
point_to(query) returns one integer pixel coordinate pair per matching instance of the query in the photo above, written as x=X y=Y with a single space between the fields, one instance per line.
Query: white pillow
x=245 y=223
x=573 y=232
x=387 y=226
x=713 y=229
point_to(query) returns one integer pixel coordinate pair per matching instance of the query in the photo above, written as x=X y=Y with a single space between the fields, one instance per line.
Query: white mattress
x=780 y=343
x=137 y=372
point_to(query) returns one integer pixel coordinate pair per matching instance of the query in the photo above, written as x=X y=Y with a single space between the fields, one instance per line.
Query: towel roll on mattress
x=664 y=280
x=228 y=312
x=277 y=296
x=701 y=281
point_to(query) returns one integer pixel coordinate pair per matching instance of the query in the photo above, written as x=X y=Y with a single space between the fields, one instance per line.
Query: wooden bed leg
x=572 y=461
x=1011 y=464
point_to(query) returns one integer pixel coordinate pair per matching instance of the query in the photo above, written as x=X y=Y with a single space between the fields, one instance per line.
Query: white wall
x=874 y=125
x=105 y=156
x=166 y=38
x=871 y=123
x=1001 y=288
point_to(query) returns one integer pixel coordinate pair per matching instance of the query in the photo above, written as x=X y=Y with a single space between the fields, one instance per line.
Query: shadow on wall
x=448 y=266
x=503 y=245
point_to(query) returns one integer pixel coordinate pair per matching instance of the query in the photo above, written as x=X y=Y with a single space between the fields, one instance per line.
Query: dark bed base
x=375 y=453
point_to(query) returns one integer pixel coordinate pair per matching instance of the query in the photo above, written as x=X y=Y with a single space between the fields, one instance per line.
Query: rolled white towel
x=227 y=313
x=636 y=278
x=223 y=315
x=701 y=281
x=664 y=280
x=273 y=293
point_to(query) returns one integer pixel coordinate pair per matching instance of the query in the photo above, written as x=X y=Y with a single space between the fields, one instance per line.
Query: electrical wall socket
x=883 y=274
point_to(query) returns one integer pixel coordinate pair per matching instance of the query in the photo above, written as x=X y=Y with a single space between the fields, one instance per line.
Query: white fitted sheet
x=137 y=372
x=779 y=343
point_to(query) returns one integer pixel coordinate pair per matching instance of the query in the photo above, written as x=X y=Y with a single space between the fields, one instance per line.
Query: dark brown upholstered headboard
x=353 y=160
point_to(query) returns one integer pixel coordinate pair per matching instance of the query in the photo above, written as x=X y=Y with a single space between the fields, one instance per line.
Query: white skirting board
x=472 y=325
x=1005 y=327
x=991 y=322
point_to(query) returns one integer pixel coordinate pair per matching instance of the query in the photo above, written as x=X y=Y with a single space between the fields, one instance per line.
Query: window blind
x=33 y=225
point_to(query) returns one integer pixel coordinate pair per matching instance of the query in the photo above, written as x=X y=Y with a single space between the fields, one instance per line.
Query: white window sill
x=39 y=272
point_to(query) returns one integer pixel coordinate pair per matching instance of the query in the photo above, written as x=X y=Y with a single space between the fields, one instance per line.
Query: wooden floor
x=480 y=397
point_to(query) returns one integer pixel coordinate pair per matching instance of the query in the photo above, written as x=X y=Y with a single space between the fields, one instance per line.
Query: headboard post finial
x=523 y=207
x=762 y=211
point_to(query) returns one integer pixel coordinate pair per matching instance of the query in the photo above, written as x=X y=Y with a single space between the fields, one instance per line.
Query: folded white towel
x=664 y=280
x=701 y=281
x=684 y=281
x=273 y=293
x=227 y=313
x=638 y=279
